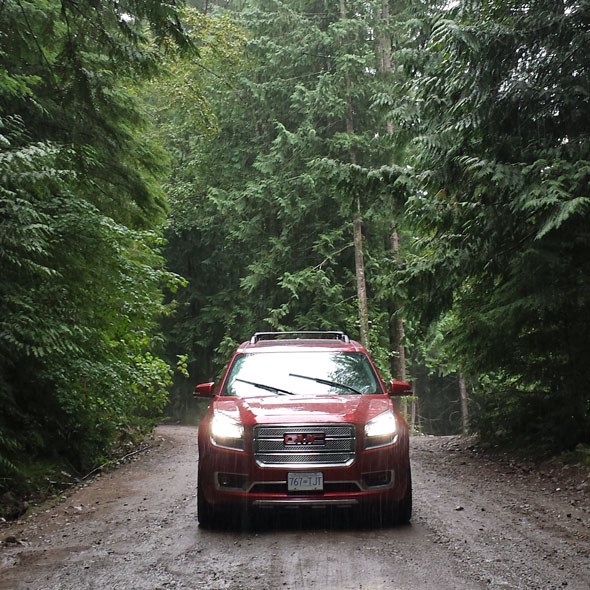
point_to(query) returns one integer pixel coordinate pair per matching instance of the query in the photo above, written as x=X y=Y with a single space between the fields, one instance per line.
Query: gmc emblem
x=311 y=438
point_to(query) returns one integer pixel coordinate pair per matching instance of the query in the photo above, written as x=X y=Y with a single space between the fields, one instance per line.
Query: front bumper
x=230 y=477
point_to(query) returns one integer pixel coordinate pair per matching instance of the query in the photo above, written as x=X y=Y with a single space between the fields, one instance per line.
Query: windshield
x=301 y=373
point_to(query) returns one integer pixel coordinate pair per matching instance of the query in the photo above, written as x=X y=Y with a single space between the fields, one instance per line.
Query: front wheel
x=404 y=508
x=205 y=511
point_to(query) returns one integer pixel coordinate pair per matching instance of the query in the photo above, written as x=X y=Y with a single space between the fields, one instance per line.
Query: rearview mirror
x=204 y=390
x=399 y=388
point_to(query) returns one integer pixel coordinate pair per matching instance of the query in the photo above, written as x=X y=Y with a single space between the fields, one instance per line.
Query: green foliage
x=83 y=279
x=511 y=412
x=475 y=142
x=503 y=155
x=261 y=223
x=76 y=337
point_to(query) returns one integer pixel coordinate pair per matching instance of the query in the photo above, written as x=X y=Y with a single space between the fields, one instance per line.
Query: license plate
x=305 y=482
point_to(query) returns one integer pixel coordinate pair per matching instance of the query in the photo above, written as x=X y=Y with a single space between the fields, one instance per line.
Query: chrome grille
x=337 y=449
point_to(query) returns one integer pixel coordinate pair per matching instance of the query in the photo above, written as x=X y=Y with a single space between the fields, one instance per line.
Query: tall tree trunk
x=464 y=404
x=415 y=411
x=396 y=333
x=359 y=259
x=396 y=330
x=361 y=284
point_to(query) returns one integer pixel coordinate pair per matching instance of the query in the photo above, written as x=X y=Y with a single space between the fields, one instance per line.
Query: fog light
x=377 y=479
x=235 y=481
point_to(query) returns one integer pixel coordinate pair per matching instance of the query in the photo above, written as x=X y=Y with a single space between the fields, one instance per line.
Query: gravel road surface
x=478 y=523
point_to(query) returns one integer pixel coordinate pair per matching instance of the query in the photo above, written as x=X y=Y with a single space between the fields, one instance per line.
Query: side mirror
x=399 y=388
x=204 y=390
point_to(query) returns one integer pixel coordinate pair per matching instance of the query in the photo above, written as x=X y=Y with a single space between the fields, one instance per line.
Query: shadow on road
x=301 y=519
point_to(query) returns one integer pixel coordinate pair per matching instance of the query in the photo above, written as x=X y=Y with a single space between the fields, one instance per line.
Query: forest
x=178 y=175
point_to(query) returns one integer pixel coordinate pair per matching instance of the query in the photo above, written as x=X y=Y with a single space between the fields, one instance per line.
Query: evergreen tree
x=80 y=206
x=504 y=152
x=265 y=235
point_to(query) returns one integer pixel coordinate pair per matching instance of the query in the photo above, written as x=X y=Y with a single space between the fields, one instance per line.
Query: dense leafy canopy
x=504 y=153
x=473 y=143
x=82 y=277
x=264 y=232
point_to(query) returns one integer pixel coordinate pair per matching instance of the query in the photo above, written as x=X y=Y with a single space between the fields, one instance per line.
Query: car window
x=258 y=373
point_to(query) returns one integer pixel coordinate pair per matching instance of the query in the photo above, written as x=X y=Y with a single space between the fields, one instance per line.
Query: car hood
x=356 y=409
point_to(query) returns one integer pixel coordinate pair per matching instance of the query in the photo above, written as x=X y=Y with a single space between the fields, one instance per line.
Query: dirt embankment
x=478 y=523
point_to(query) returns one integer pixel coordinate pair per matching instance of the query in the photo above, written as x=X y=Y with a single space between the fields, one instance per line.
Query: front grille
x=337 y=448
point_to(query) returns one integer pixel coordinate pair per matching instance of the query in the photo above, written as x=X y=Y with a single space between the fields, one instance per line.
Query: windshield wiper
x=266 y=387
x=326 y=382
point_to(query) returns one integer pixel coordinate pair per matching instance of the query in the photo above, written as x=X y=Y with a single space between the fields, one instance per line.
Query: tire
x=404 y=508
x=205 y=511
x=387 y=515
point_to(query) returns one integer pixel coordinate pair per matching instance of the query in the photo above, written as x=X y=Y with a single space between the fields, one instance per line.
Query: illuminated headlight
x=381 y=430
x=227 y=432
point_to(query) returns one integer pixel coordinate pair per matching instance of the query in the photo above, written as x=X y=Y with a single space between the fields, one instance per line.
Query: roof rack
x=329 y=335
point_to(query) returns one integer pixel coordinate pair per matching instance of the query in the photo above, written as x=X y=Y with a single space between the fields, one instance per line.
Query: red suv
x=303 y=420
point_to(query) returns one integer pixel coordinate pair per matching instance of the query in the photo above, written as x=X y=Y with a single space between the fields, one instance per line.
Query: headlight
x=227 y=432
x=381 y=430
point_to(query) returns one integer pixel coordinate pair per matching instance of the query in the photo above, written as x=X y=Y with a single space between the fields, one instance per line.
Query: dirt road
x=477 y=524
